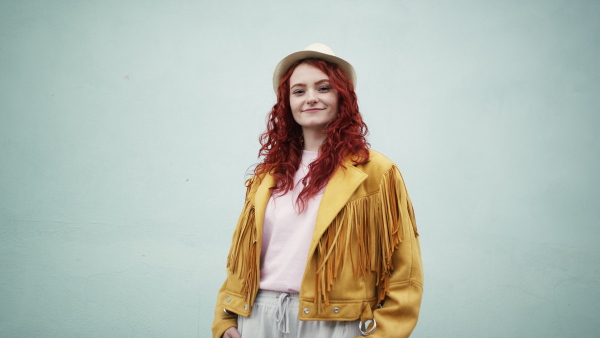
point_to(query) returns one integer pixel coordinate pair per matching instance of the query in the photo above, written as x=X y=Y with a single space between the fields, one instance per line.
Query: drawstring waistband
x=276 y=312
x=282 y=303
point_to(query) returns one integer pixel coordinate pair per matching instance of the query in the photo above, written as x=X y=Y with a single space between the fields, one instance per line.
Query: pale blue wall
x=126 y=128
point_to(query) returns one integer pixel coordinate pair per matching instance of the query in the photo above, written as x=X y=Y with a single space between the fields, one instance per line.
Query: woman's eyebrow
x=302 y=84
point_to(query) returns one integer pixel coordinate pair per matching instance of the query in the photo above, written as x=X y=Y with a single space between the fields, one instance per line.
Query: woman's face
x=313 y=100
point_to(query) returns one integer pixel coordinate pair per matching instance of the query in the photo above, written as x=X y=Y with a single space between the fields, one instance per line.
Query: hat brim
x=285 y=64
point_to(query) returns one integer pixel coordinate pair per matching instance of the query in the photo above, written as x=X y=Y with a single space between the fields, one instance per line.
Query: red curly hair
x=282 y=142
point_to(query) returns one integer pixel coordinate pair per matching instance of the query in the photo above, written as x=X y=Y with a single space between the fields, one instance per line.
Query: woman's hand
x=231 y=332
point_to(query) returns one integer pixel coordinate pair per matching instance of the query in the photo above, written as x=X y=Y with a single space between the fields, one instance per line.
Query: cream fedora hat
x=315 y=51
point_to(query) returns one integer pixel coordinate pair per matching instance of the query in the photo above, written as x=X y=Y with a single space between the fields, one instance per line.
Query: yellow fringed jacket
x=364 y=259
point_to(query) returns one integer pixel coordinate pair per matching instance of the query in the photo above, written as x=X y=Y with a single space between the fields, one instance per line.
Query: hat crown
x=321 y=48
x=314 y=51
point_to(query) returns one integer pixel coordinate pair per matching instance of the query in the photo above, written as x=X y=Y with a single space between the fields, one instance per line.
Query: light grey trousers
x=275 y=315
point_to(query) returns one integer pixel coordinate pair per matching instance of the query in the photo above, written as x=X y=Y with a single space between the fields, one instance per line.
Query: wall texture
x=126 y=129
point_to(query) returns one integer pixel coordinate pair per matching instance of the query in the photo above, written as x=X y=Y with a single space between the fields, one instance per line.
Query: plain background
x=127 y=127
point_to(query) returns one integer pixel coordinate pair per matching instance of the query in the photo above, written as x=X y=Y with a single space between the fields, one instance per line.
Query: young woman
x=326 y=244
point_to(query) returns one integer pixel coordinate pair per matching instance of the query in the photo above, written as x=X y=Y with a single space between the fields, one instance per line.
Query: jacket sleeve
x=222 y=320
x=397 y=317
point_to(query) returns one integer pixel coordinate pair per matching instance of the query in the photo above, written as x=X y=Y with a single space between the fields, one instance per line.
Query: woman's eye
x=324 y=88
x=298 y=92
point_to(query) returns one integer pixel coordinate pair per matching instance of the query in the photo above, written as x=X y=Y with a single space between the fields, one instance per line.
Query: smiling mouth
x=312 y=110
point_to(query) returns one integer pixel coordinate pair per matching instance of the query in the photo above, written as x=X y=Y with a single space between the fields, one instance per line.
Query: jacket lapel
x=340 y=188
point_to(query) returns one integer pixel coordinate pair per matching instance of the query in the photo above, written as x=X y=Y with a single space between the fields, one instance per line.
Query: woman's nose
x=311 y=98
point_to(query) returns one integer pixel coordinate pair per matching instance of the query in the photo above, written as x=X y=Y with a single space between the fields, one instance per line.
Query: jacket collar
x=341 y=186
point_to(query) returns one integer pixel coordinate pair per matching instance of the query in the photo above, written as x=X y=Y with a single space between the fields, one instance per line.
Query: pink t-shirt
x=287 y=235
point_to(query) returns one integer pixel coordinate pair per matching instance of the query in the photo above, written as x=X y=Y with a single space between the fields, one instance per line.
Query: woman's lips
x=312 y=110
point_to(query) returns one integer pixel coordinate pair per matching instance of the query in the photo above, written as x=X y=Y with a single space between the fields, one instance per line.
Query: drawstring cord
x=281 y=314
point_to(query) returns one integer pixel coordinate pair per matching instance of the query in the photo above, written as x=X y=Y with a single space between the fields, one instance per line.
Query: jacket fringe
x=242 y=258
x=369 y=229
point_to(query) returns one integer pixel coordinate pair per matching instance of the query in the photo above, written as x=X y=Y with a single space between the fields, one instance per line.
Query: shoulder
x=379 y=159
x=378 y=169
x=377 y=165
x=379 y=174
x=256 y=181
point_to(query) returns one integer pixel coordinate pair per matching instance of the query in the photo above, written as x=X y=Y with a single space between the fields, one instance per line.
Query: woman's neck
x=313 y=139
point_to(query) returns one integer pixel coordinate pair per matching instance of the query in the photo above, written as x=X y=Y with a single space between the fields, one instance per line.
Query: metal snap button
x=228 y=299
x=306 y=311
x=336 y=310
x=246 y=307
